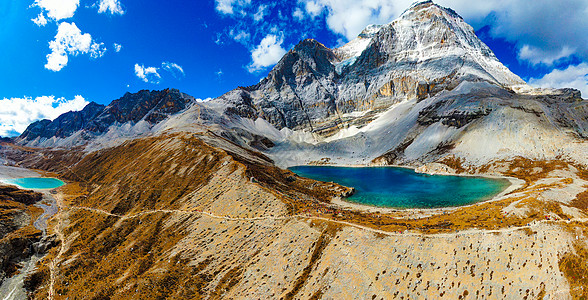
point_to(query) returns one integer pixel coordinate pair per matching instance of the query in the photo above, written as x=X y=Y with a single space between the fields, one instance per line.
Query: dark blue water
x=36 y=183
x=404 y=188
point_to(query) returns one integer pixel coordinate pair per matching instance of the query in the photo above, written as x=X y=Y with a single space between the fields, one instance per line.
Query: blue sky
x=60 y=54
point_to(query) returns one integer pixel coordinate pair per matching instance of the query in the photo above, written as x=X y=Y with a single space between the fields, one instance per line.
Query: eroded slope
x=176 y=217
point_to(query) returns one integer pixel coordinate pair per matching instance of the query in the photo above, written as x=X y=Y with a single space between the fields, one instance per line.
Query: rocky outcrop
x=17 y=235
x=149 y=106
x=404 y=92
x=65 y=125
x=427 y=50
x=456 y=119
x=298 y=91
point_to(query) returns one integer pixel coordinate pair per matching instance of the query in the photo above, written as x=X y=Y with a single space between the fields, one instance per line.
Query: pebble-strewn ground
x=211 y=225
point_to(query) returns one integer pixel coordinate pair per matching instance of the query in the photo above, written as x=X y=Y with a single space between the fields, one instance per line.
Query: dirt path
x=62 y=247
x=439 y=235
x=64 y=243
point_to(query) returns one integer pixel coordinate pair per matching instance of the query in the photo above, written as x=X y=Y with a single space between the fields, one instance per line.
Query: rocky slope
x=20 y=240
x=16 y=232
x=413 y=91
x=171 y=198
x=191 y=216
x=141 y=109
x=427 y=49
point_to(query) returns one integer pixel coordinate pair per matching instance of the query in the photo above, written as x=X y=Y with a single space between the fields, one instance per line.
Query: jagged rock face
x=149 y=106
x=406 y=92
x=301 y=88
x=428 y=49
x=64 y=125
x=418 y=55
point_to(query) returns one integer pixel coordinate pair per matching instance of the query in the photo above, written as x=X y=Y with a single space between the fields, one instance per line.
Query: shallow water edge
x=393 y=189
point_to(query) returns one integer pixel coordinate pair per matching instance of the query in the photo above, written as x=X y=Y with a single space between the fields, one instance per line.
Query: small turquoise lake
x=404 y=188
x=35 y=183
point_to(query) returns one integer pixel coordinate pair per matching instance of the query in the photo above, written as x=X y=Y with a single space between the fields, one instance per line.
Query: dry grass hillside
x=17 y=233
x=190 y=216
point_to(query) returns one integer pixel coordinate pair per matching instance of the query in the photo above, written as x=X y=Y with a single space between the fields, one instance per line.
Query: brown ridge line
x=440 y=235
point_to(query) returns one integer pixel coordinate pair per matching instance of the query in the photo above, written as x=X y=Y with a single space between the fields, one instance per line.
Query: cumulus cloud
x=543 y=30
x=540 y=56
x=227 y=7
x=176 y=70
x=40 y=20
x=117 y=47
x=350 y=17
x=110 y=6
x=147 y=74
x=17 y=113
x=267 y=53
x=571 y=77
x=69 y=40
x=58 y=9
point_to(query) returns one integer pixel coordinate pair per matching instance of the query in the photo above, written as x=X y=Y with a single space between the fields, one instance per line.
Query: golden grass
x=106 y=253
x=17 y=237
x=124 y=259
x=574 y=266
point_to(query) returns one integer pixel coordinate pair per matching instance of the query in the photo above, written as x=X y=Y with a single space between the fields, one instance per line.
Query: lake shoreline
x=14 y=287
x=22 y=183
x=514 y=185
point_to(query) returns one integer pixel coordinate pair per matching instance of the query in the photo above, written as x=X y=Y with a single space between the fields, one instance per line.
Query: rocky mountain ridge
x=187 y=200
x=429 y=48
x=408 y=92
x=145 y=106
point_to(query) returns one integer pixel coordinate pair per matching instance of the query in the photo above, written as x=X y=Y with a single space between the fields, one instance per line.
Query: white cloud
x=40 y=20
x=258 y=16
x=176 y=70
x=97 y=50
x=350 y=17
x=69 y=40
x=147 y=74
x=572 y=77
x=548 y=29
x=17 y=113
x=240 y=36
x=227 y=7
x=117 y=47
x=539 y=56
x=58 y=9
x=543 y=30
x=110 y=6
x=267 y=53
x=314 y=8
x=298 y=14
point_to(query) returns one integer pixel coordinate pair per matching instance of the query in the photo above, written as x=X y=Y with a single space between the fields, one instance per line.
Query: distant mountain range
x=172 y=198
x=408 y=92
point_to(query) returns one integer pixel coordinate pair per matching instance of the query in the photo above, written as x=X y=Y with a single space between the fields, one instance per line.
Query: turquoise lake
x=37 y=183
x=404 y=188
